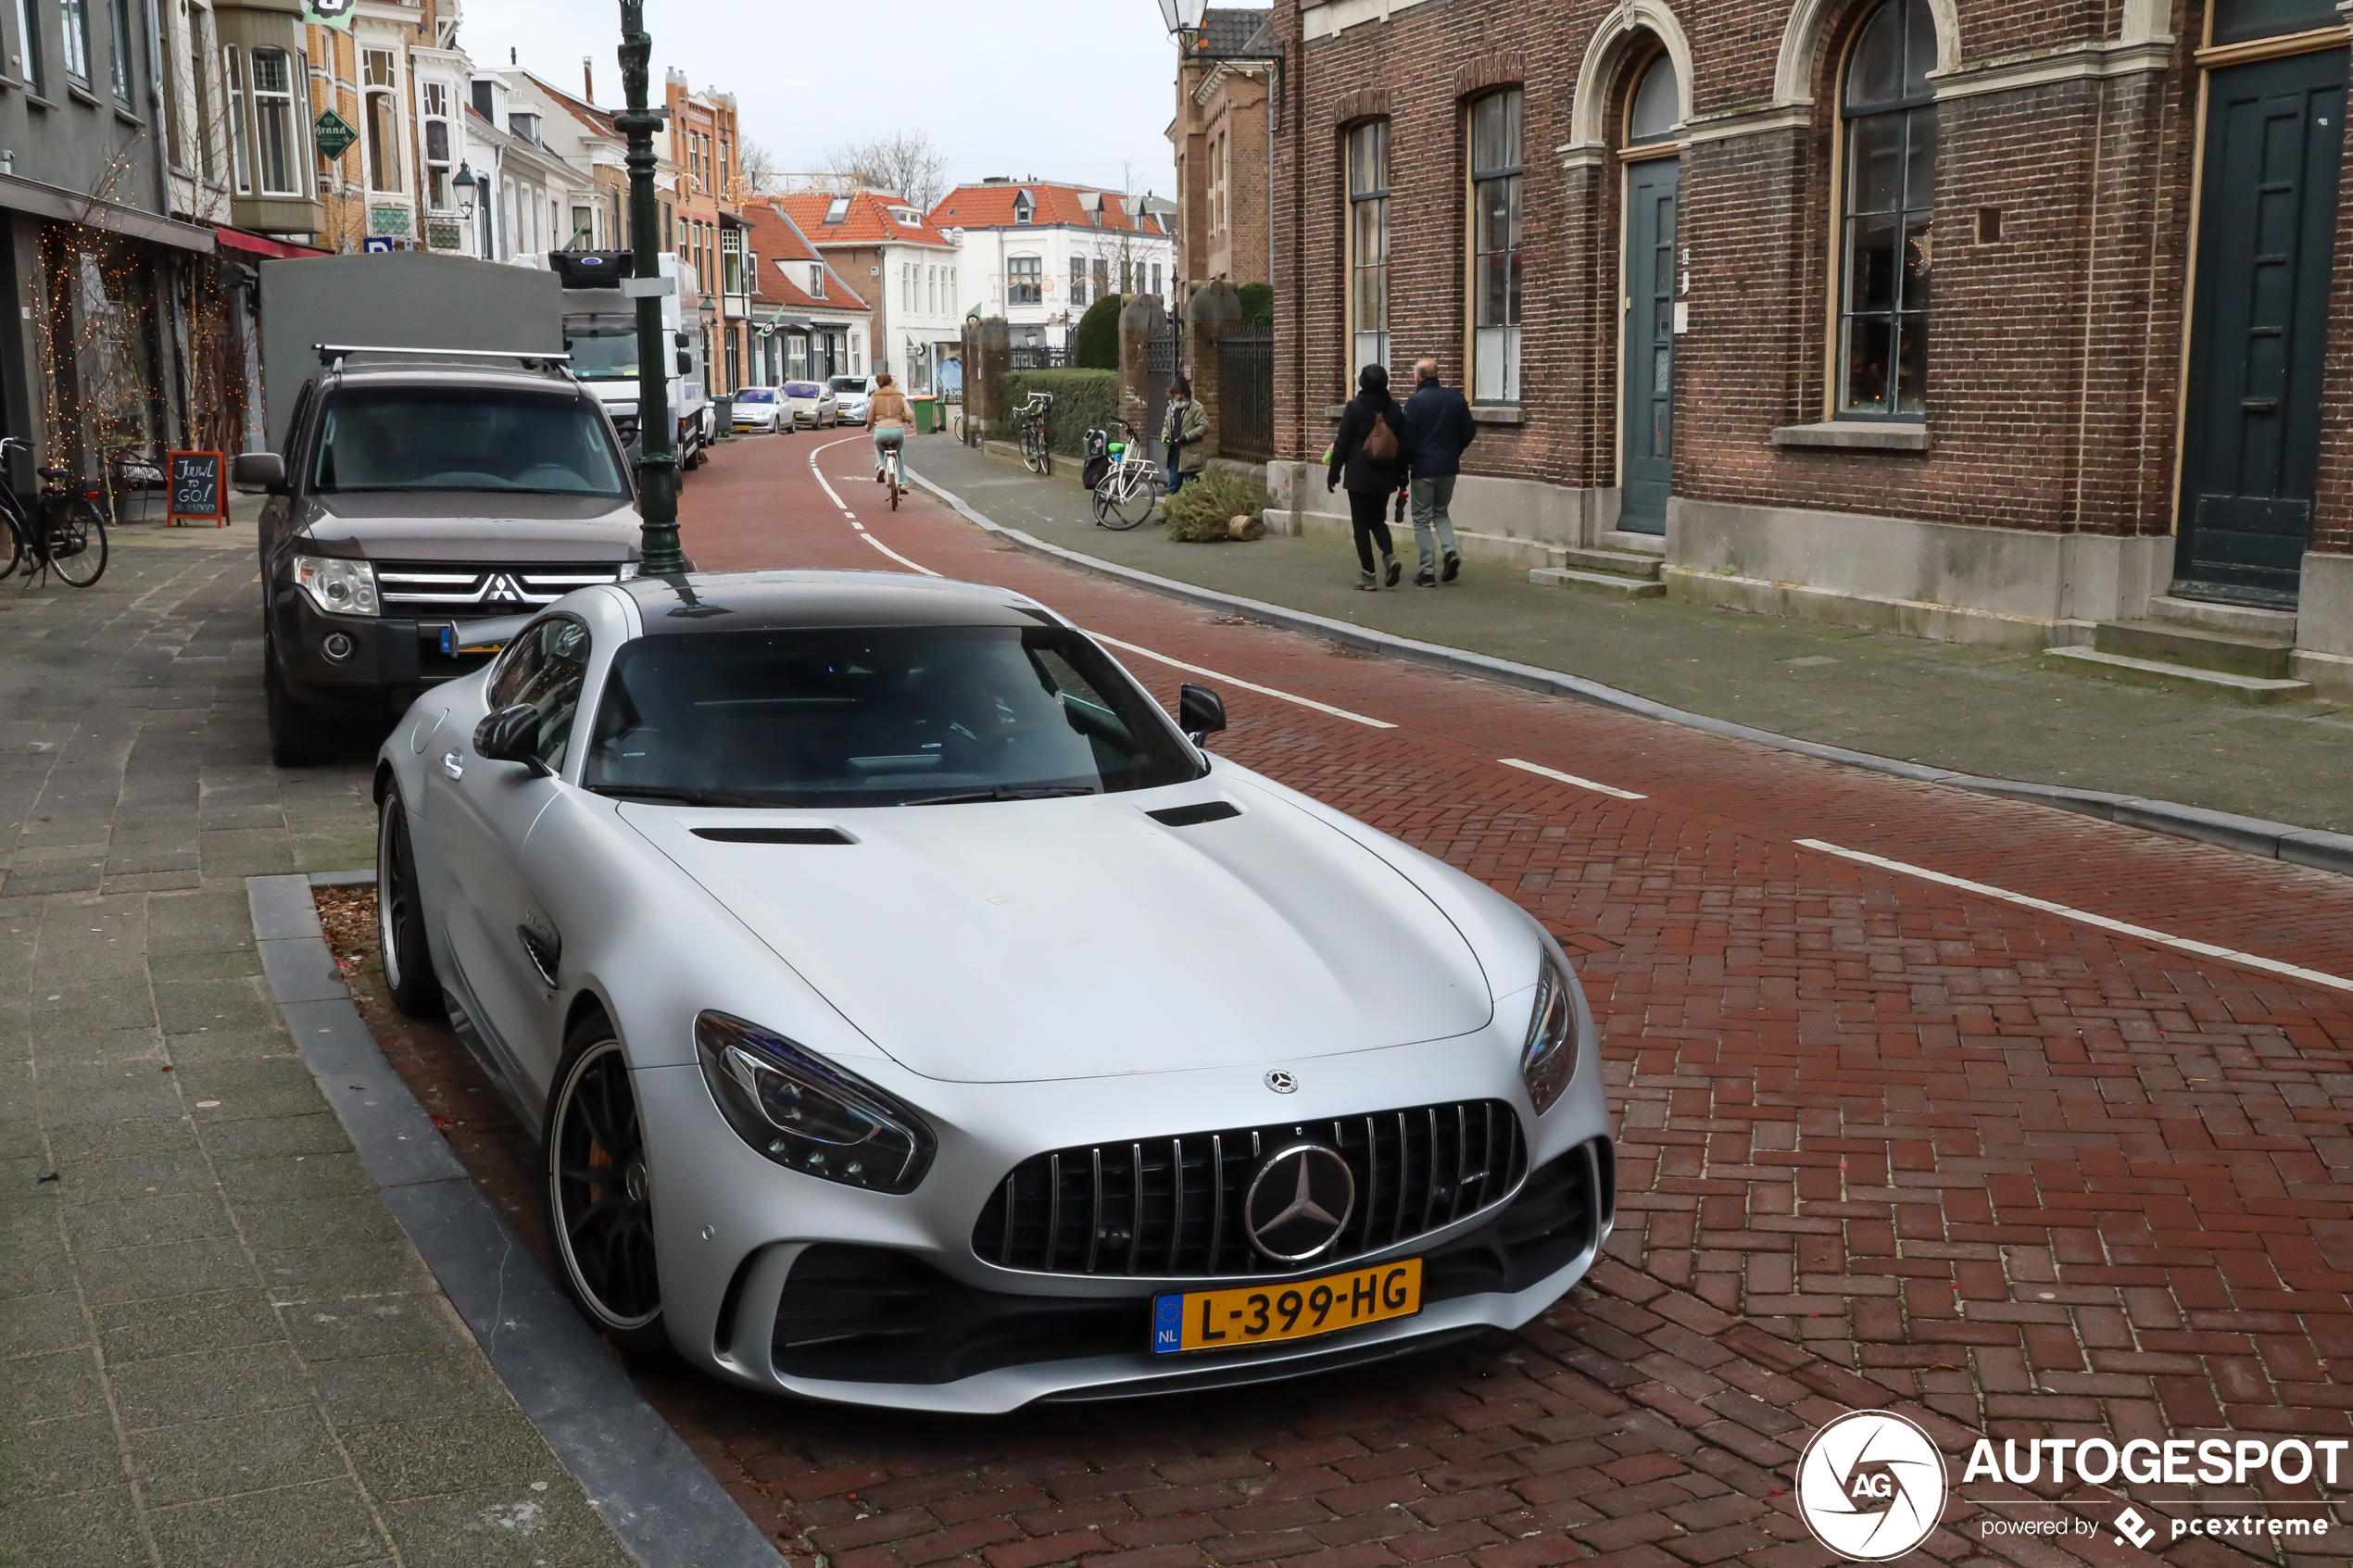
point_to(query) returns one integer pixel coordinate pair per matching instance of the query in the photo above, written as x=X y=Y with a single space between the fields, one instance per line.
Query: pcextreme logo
x=1871 y=1486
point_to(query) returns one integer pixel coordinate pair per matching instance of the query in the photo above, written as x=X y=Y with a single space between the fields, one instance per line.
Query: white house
x=904 y=266
x=1039 y=255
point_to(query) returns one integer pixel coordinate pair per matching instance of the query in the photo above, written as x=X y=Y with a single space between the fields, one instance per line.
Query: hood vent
x=1193 y=816
x=775 y=835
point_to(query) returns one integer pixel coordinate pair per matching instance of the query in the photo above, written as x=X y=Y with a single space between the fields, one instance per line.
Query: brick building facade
x=1682 y=257
x=1225 y=164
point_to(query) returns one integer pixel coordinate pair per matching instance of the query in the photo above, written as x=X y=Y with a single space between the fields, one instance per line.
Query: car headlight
x=336 y=585
x=807 y=1114
x=1549 y=1059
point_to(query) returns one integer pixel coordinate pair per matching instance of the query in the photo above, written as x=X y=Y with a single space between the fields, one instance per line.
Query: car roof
x=501 y=379
x=764 y=601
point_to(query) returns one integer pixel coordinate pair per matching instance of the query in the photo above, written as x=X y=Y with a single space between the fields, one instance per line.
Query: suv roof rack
x=333 y=355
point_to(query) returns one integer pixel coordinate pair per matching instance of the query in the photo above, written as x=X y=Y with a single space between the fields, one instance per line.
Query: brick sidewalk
x=1979 y=710
x=216 y=1346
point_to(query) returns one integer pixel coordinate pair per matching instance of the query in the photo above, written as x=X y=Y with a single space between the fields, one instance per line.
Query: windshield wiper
x=684 y=797
x=1005 y=792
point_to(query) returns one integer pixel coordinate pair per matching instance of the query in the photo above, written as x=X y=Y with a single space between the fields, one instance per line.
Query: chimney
x=514 y=56
x=588 y=79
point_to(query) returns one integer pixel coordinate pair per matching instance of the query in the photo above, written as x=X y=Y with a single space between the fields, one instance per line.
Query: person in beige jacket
x=891 y=417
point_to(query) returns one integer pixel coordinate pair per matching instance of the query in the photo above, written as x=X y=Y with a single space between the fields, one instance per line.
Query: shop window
x=1367 y=245
x=1888 y=114
x=1495 y=126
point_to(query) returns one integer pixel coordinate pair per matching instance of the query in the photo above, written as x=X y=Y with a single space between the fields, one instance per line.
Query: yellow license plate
x=1225 y=1320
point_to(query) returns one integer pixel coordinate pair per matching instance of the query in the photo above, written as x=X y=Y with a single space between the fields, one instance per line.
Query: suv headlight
x=337 y=585
x=1549 y=1059
x=807 y=1114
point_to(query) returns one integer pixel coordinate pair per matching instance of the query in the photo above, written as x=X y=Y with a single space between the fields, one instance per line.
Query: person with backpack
x=1441 y=426
x=1368 y=458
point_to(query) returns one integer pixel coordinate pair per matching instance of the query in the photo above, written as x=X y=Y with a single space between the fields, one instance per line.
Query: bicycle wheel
x=77 y=543
x=1124 y=501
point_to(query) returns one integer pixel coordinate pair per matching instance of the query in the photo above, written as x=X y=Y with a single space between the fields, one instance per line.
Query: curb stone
x=2311 y=848
x=661 y=1503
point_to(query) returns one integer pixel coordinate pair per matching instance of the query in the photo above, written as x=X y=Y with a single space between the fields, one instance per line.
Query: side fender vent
x=775 y=835
x=1193 y=816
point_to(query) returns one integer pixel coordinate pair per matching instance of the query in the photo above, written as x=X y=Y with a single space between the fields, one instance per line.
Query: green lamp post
x=657 y=437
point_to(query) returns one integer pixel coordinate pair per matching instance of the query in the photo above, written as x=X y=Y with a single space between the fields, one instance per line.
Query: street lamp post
x=657 y=439
x=1184 y=18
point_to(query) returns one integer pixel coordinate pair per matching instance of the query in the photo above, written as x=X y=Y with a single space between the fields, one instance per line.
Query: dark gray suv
x=409 y=501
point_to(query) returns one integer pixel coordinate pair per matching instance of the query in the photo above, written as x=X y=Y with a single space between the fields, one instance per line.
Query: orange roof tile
x=992 y=206
x=776 y=238
x=867 y=221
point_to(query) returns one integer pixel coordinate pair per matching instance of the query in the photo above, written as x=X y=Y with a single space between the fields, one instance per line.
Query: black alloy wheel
x=600 y=1210
x=400 y=916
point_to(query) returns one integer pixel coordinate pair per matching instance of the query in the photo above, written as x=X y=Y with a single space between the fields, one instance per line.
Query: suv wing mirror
x=1201 y=713
x=255 y=472
x=686 y=363
x=507 y=737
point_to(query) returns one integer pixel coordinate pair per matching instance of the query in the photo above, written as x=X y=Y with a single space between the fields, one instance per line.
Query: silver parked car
x=914 y=1015
x=854 y=396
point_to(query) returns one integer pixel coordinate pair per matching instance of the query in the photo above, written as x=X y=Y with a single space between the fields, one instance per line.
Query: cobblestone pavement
x=216 y=1346
x=1884 y=1142
x=1999 y=712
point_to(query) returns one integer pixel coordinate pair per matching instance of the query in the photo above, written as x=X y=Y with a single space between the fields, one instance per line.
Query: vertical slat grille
x=1172 y=1208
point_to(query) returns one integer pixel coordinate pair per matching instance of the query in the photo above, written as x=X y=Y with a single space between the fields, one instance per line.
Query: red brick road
x=1884 y=1143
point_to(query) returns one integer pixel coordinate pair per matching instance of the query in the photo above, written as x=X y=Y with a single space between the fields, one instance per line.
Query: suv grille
x=1173 y=1207
x=464 y=588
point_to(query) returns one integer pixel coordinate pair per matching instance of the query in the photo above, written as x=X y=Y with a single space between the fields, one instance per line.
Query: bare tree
x=904 y=162
x=759 y=168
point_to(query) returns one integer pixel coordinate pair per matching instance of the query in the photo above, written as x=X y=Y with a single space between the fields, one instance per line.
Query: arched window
x=1655 y=107
x=1368 y=245
x=1889 y=111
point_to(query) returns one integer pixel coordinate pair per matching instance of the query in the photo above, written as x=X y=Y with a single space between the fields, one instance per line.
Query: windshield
x=755 y=395
x=849 y=383
x=803 y=389
x=895 y=716
x=604 y=358
x=465 y=438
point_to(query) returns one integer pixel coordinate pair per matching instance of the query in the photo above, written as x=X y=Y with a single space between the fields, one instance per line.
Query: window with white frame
x=74 y=16
x=439 y=192
x=1888 y=114
x=275 y=158
x=1495 y=165
x=120 y=49
x=378 y=110
x=1156 y=280
x=1367 y=245
x=1024 y=282
x=233 y=75
x=28 y=60
x=816 y=280
x=584 y=228
x=1078 y=281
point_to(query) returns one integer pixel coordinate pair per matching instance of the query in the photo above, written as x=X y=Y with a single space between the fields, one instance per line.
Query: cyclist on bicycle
x=892 y=417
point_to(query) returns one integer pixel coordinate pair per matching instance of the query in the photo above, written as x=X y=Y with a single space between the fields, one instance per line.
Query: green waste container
x=926 y=415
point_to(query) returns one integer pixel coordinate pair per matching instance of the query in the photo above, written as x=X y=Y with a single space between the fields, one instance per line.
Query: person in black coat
x=1370 y=480
x=1441 y=426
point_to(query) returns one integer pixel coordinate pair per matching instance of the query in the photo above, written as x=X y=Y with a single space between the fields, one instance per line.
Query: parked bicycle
x=62 y=530
x=1133 y=486
x=1037 y=452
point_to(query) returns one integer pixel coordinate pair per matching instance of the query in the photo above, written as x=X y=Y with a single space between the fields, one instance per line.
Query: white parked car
x=852 y=395
x=914 y=1014
x=810 y=403
x=762 y=408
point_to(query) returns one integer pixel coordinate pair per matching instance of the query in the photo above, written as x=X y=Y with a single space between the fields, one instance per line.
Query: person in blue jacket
x=1441 y=427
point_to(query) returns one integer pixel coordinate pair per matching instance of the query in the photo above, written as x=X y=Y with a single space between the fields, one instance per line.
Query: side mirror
x=686 y=363
x=680 y=338
x=255 y=472
x=507 y=737
x=1201 y=713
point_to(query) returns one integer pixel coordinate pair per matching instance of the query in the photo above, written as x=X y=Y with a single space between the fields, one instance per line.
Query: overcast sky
x=1073 y=90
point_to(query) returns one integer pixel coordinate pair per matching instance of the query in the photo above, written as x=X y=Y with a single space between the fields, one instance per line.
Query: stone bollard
x=1215 y=309
x=988 y=358
x=1138 y=319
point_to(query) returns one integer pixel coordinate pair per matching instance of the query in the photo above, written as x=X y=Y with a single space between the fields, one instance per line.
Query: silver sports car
x=914 y=1015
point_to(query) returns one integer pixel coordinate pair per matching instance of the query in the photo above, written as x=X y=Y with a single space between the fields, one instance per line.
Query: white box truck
x=600 y=333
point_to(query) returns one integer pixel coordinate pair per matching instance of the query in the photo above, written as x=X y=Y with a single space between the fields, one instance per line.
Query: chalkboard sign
x=196 y=492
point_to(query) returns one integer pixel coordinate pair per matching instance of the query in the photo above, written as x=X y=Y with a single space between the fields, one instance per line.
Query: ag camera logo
x=1871 y=1486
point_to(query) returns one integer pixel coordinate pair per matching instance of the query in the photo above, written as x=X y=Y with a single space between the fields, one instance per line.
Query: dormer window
x=838 y=210
x=907 y=214
x=1024 y=210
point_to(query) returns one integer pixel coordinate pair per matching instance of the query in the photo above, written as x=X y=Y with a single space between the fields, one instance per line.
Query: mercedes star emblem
x=1299 y=1202
x=1282 y=1082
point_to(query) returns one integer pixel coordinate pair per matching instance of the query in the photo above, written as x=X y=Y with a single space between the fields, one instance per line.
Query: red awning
x=261 y=245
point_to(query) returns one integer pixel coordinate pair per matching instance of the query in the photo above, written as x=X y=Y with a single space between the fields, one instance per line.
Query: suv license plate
x=1225 y=1320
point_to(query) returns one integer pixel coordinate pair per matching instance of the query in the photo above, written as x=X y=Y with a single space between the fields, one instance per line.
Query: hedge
x=1095 y=344
x=1084 y=400
x=1258 y=307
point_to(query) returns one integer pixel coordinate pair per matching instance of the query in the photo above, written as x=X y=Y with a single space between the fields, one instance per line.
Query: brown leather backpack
x=1380 y=442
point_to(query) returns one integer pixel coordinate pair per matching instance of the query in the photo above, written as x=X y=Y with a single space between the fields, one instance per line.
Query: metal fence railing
x=1246 y=397
x=1038 y=356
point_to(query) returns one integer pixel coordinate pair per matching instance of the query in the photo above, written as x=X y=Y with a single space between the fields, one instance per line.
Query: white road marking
x=895 y=555
x=2182 y=944
x=1570 y=779
x=1246 y=686
x=819 y=452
